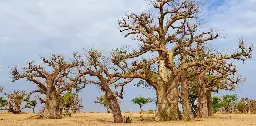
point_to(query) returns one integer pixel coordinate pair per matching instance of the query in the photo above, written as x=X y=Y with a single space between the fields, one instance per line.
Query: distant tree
x=103 y=101
x=70 y=100
x=216 y=104
x=31 y=104
x=3 y=103
x=229 y=101
x=67 y=99
x=54 y=77
x=15 y=98
x=241 y=107
x=141 y=101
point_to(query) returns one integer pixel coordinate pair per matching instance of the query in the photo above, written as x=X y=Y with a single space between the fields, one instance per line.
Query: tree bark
x=202 y=97
x=13 y=107
x=173 y=98
x=113 y=104
x=202 y=104
x=187 y=114
x=167 y=96
x=209 y=103
x=52 y=106
x=167 y=105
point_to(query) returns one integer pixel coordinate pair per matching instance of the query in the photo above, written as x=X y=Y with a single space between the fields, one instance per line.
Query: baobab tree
x=212 y=77
x=171 y=30
x=99 y=66
x=55 y=76
x=14 y=100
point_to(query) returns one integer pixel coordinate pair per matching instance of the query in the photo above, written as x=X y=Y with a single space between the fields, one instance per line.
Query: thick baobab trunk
x=167 y=105
x=52 y=106
x=187 y=114
x=202 y=104
x=209 y=103
x=113 y=104
x=13 y=106
x=167 y=96
x=202 y=97
x=173 y=98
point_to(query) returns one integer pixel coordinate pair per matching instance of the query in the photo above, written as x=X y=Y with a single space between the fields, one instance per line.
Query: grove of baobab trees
x=171 y=30
x=174 y=56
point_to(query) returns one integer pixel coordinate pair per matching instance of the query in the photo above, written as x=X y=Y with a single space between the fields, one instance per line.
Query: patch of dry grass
x=100 y=119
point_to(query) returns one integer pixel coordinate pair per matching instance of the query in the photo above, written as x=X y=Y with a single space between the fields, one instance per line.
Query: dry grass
x=100 y=119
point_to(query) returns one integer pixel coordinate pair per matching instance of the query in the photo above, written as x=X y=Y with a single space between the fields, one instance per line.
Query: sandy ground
x=103 y=119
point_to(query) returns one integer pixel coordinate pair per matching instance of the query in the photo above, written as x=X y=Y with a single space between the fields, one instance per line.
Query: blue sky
x=33 y=28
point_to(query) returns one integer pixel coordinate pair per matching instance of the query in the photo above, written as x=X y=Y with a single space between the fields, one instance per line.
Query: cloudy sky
x=33 y=28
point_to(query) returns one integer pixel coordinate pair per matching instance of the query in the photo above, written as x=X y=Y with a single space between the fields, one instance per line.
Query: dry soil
x=104 y=119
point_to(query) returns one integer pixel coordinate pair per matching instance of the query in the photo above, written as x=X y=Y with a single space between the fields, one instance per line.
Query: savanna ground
x=100 y=119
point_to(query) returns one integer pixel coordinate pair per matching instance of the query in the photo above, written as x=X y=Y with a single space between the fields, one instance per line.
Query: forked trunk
x=209 y=103
x=52 y=107
x=113 y=104
x=202 y=104
x=187 y=114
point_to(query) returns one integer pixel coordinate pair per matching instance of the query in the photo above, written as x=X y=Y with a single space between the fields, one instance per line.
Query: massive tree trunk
x=167 y=96
x=113 y=104
x=209 y=103
x=167 y=105
x=202 y=104
x=202 y=97
x=173 y=98
x=52 y=106
x=187 y=114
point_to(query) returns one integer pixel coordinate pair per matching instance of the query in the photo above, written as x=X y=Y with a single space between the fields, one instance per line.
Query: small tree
x=141 y=101
x=3 y=103
x=31 y=104
x=216 y=104
x=103 y=101
x=70 y=100
x=228 y=101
